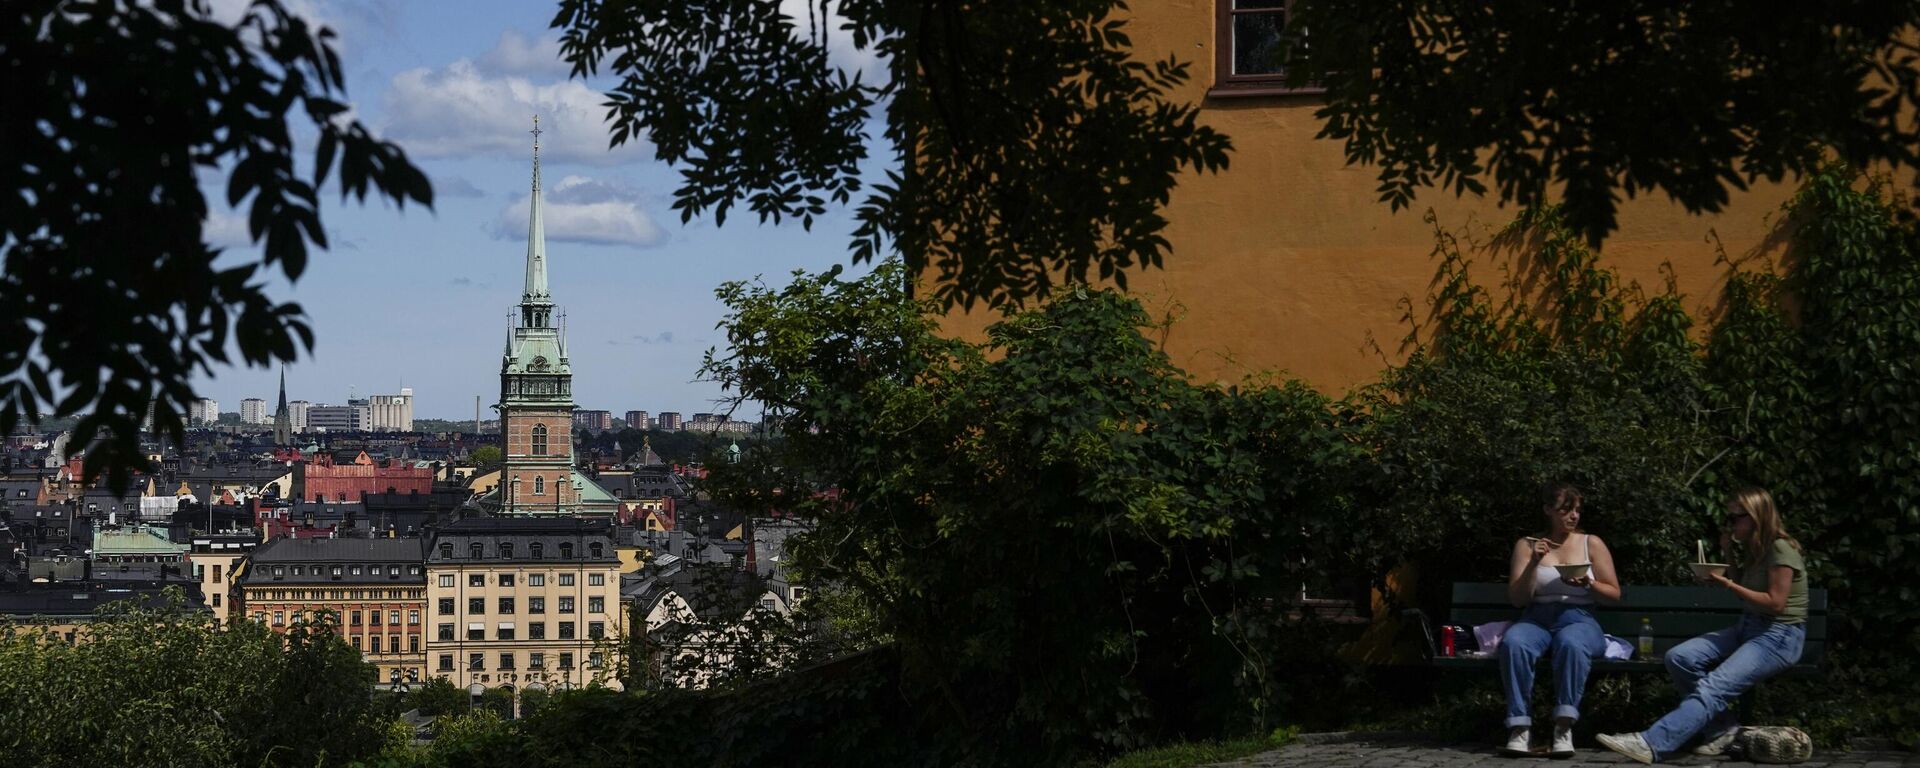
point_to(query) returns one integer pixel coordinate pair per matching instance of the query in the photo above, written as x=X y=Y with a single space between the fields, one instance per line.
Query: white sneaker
x=1715 y=746
x=1562 y=740
x=1519 y=741
x=1632 y=745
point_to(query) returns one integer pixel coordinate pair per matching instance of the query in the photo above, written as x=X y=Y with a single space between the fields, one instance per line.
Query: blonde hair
x=1767 y=528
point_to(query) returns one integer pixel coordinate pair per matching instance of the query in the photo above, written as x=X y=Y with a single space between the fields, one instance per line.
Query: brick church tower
x=536 y=390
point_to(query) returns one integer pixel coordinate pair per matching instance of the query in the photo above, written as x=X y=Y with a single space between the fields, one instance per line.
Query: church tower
x=282 y=420
x=536 y=389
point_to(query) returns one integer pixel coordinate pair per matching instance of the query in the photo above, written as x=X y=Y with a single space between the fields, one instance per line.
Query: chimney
x=299 y=478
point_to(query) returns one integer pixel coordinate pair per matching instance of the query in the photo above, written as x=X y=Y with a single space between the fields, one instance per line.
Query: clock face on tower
x=539 y=363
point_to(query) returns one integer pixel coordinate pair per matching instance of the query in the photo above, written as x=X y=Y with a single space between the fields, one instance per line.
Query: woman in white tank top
x=1556 y=618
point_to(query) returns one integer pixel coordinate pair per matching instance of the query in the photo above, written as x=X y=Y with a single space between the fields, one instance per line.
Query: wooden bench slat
x=1626 y=623
x=1677 y=613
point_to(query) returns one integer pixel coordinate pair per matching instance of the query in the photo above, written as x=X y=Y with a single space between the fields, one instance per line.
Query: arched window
x=539 y=486
x=540 y=440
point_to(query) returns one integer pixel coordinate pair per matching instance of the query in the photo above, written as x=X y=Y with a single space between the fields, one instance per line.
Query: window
x=446 y=606
x=476 y=605
x=566 y=661
x=479 y=550
x=216 y=599
x=413 y=643
x=594 y=659
x=216 y=573
x=373 y=644
x=506 y=579
x=393 y=571
x=446 y=632
x=413 y=617
x=279 y=618
x=596 y=630
x=566 y=605
x=506 y=661
x=505 y=632
x=538 y=550
x=566 y=553
x=536 y=660
x=299 y=570
x=476 y=579
x=355 y=620
x=566 y=579
x=596 y=605
x=539 y=485
x=539 y=440
x=356 y=570
x=279 y=572
x=393 y=617
x=536 y=605
x=476 y=661
x=446 y=550
x=446 y=580
x=413 y=570
x=446 y=662
x=596 y=579
x=356 y=642
x=506 y=553
x=597 y=550
x=1250 y=48
x=537 y=630
x=476 y=631
x=566 y=630
x=506 y=605
x=537 y=579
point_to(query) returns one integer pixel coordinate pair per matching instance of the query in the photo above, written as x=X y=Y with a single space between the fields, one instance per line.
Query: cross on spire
x=536 y=152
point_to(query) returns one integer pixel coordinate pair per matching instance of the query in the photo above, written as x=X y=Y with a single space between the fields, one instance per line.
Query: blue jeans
x=1714 y=669
x=1575 y=639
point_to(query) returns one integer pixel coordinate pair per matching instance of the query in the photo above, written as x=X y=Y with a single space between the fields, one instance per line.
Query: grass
x=1193 y=753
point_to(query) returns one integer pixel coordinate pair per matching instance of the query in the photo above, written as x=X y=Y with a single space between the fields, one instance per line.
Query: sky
x=421 y=298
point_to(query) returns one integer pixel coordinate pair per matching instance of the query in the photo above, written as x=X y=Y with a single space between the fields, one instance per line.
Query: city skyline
x=419 y=298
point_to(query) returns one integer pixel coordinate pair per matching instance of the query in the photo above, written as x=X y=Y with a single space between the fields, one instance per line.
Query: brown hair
x=1558 y=495
x=1767 y=528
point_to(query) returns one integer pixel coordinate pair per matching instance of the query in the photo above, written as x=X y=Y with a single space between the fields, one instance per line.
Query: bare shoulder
x=1596 y=542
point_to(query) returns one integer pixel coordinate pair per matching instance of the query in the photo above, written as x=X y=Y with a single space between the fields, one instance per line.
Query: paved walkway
x=1404 y=752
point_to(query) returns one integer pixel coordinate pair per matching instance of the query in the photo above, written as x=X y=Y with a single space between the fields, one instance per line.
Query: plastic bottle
x=1646 y=638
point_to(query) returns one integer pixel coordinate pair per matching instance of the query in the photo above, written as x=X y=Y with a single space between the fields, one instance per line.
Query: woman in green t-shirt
x=1714 y=669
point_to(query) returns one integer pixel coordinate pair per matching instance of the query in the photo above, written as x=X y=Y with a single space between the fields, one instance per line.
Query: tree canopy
x=114 y=113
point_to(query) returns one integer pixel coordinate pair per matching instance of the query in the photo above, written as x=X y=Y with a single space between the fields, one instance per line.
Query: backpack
x=1774 y=744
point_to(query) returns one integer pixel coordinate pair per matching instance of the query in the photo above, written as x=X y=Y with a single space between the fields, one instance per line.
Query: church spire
x=282 y=421
x=536 y=288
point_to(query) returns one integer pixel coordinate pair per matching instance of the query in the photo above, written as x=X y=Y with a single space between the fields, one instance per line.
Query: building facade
x=297 y=414
x=376 y=588
x=203 y=411
x=638 y=420
x=523 y=603
x=667 y=421
x=253 y=410
x=391 y=413
x=598 y=421
x=352 y=417
x=217 y=562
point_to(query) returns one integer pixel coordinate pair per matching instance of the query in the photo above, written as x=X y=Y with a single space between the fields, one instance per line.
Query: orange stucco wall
x=1287 y=262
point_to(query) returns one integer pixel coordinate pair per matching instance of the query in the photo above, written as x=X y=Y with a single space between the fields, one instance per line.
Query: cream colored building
x=523 y=603
x=218 y=560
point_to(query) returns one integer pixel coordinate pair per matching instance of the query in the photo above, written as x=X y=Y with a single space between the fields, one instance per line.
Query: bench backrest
x=1677 y=613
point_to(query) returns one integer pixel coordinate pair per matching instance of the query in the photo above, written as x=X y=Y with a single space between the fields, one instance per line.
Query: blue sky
x=421 y=298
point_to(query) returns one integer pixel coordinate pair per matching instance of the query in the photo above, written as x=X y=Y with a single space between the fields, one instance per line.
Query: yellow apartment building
x=523 y=603
x=376 y=587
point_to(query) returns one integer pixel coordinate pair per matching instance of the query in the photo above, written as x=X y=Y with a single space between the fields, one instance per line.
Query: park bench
x=1677 y=614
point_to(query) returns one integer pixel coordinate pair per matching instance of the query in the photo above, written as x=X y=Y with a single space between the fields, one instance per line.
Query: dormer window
x=538 y=549
x=566 y=550
x=479 y=550
x=446 y=550
x=596 y=549
x=506 y=550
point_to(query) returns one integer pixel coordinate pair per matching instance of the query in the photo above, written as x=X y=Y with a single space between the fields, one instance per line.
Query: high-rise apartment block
x=253 y=410
x=352 y=417
x=638 y=420
x=667 y=421
x=598 y=421
x=204 y=411
x=391 y=413
x=297 y=414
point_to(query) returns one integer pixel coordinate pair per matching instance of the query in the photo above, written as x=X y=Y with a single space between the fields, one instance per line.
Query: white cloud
x=583 y=210
x=456 y=186
x=841 y=52
x=462 y=112
x=517 y=54
x=225 y=229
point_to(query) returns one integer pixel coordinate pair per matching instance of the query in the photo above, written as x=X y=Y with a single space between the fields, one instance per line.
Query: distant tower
x=282 y=422
x=536 y=388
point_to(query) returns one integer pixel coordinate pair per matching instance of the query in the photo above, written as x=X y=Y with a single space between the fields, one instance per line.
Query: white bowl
x=1704 y=571
x=1573 y=570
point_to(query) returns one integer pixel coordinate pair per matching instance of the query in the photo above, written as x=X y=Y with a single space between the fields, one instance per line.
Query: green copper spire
x=536 y=289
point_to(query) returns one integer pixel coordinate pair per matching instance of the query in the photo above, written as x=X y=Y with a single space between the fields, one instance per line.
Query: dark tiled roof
x=523 y=534
x=342 y=552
